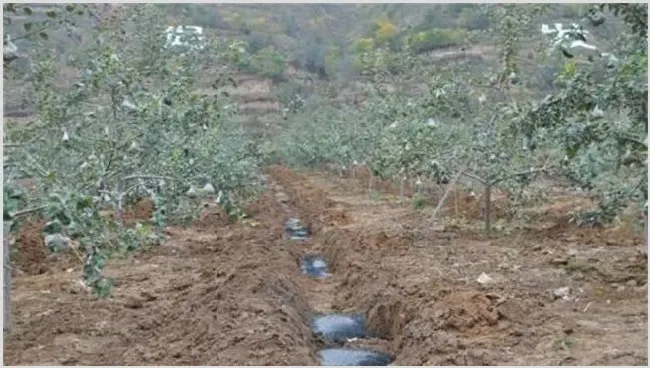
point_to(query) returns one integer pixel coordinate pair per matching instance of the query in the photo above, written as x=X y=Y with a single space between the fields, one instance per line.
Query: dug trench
x=247 y=294
x=216 y=293
x=418 y=292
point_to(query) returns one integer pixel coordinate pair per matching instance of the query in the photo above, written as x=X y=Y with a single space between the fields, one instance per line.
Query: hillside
x=317 y=44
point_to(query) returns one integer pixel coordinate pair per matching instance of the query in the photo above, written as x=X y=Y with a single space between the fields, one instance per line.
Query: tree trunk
x=6 y=326
x=119 y=211
x=645 y=229
x=488 y=207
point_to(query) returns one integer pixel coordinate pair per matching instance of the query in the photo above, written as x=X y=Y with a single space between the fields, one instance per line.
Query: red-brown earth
x=219 y=293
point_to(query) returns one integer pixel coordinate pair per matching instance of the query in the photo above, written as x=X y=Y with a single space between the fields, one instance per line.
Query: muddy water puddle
x=296 y=230
x=339 y=327
x=335 y=328
x=315 y=266
x=353 y=357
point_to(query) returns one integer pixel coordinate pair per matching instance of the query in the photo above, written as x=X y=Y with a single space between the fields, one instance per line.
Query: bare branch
x=543 y=169
x=451 y=185
x=131 y=177
x=475 y=177
x=27 y=211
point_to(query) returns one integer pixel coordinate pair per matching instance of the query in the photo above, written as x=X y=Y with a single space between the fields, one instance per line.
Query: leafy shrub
x=432 y=39
x=204 y=16
x=312 y=57
x=472 y=19
x=385 y=30
x=257 y=41
x=364 y=44
x=267 y=62
x=133 y=126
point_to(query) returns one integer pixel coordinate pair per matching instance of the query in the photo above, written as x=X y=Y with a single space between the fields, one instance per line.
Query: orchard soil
x=219 y=293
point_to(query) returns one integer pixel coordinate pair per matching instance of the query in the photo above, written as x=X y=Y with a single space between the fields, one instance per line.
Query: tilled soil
x=233 y=294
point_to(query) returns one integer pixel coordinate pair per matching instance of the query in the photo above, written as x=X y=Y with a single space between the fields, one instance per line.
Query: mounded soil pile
x=212 y=295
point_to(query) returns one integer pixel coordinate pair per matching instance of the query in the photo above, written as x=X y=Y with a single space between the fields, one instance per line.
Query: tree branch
x=474 y=177
x=521 y=173
x=30 y=34
x=131 y=177
x=451 y=185
x=634 y=140
x=27 y=211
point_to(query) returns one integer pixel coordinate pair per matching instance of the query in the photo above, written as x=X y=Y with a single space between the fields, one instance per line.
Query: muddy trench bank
x=419 y=319
x=345 y=335
x=214 y=294
x=356 y=326
x=254 y=312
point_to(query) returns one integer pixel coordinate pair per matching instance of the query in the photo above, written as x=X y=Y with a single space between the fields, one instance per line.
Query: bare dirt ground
x=232 y=294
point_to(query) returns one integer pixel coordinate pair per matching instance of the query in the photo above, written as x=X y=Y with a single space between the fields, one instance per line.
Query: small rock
x=191 y=192
x=75 y=287
x=484 y=279
x=561 y=293
x=631 y=283
x=56 y=242
x=282 y=197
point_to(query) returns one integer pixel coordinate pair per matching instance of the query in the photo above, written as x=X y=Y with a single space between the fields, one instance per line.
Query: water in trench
x=314 y=266
x=354 y=357
x=338 y=327
x=335 y=327
x=296 y=230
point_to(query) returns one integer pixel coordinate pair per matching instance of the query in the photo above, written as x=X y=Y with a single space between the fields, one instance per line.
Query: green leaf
x=44 y=36
x=69 y=8
x=51 y=14
x=27 y=26
x=27 y=10
x=84 y=202
x=103 y=287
